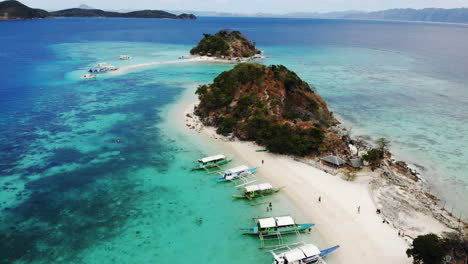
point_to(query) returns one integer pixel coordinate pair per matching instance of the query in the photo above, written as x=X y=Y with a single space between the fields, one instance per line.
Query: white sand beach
x=188 y=59
x=363 y=236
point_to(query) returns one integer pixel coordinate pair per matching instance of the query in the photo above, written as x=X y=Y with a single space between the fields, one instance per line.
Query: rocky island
x=272 y=106
x=226 y=44
x=11 y=10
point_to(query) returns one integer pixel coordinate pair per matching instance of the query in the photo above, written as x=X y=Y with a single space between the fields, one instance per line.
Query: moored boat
x=103 y=67
x=211 y=162
x=275 y=225
x=254 y=191
x=88 y=76
x=125 y=57
x=303 y=253
x=235 y=173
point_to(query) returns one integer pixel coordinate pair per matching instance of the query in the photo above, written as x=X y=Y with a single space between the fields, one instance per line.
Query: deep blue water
x=65 y=182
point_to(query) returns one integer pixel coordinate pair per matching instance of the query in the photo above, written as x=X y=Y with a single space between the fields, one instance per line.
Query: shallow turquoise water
x=107 y=179
x=94 y=171
x=382 y=93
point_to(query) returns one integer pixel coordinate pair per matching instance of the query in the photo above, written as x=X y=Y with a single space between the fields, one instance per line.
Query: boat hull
x=256 y=195
x=282 y=230
x=249 y=172
x=211 y=165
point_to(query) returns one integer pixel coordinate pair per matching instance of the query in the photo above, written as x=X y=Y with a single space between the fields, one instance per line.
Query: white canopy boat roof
x=285 y=220
x=278 y=221
x=236 y=169
x=212 y=158
x=267 y=222
x=295 y=255
x=259 y=187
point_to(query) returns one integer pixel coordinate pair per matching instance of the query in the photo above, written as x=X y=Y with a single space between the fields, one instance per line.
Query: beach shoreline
x=363 y=234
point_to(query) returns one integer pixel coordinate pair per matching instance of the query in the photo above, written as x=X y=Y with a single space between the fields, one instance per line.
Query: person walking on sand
x=359 y=209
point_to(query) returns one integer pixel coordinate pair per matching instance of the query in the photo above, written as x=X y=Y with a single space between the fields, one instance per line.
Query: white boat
x=303 y=253
x=235 y=173
x=211 y=162
x=88 y=76
x=125 y=57
x=103 y=67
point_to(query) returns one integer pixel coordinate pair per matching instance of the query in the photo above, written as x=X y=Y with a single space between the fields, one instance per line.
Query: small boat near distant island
x=211 y=162
x=125 y=57
x=236 y=173
x=103 y=67
x=251 y=192
x=302 y=253
x=88 y=76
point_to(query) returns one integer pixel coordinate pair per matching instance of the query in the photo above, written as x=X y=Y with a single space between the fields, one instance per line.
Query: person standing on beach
x=263 y=162
x=359 y=209
x=271 y=207
x=320 y=199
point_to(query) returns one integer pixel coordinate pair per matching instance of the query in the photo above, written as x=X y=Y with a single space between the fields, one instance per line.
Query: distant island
x=454 y=15
x=227 y=44
x=271 y=106
x=11 y=9
x=79 y=12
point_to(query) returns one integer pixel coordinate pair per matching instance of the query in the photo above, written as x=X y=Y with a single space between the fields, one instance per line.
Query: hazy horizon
x=250 y=6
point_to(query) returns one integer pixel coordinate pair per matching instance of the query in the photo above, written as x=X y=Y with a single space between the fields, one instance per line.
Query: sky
x=248 y=6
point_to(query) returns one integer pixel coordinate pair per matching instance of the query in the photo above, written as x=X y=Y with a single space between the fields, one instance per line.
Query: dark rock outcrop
x=229 y=44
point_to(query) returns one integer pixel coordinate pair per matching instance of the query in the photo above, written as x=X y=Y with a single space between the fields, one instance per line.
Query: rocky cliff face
x=272 y=106
x=230 y=44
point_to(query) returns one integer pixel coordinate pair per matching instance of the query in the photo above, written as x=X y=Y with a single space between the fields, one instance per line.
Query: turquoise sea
x=96 y=171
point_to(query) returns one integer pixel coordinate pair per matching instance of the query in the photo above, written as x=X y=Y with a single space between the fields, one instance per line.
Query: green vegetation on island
x=432 y=249
x=78 y=12
x=225 y=43
x=270 y=105
x=11 y=9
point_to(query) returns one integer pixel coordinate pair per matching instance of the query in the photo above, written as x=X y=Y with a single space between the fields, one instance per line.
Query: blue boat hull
x=251 y=171
x=284 y=230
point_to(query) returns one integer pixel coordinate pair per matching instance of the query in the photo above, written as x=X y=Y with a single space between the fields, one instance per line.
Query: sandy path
x=363 y=237
x=126 y=69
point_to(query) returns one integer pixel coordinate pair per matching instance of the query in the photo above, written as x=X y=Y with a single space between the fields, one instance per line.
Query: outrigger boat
x=103 y=67
x=270 y=230
x=274 y=225
x=236 y=173
x=88 y=76
x=211 y=162
x=254 y=191
x=303 y=253
x=125 y=57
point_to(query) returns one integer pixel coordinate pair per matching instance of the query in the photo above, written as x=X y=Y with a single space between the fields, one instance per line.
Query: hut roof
x=335 y=160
